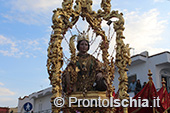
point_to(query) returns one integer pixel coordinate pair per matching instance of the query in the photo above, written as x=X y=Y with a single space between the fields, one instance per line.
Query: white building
x=40 y=102
x=141 y=63
x=159 y=64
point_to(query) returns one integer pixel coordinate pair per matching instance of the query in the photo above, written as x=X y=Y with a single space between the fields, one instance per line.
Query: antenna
x=133 y=51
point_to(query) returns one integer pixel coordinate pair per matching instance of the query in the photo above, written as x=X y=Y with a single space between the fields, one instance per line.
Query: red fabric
x=148 y=92
x=116 y=95
x=113 y=94
x=169 y=102
x=164 y=97
x=4 y=110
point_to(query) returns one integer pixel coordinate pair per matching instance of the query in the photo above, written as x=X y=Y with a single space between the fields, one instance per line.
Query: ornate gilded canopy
x=65 y=18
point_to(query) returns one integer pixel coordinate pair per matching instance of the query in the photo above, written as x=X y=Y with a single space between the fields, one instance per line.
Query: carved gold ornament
x=65 y=18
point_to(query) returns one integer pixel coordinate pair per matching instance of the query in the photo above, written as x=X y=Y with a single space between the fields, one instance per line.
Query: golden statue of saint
x=89 y=71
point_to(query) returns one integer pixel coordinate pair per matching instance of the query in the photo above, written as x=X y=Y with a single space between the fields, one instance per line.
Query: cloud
x=145 y=30
x=156 y=50
x=45 y=81
x=4 y=40
x=34 y=12
x=26 y=18
x=19 y=48
x=1 y=84
x=38 y=6
x=6 y=92
x=146 y=27
x=11 y=44
x=8 y=102
x=31 y=11
x=159 y=0
x=7 y=97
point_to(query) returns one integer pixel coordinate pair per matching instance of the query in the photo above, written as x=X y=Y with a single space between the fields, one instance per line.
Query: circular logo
x=59 y=102
x=28 y=106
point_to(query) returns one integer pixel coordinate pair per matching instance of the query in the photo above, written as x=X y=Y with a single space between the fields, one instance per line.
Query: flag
x=164 y=97
x=148 y=92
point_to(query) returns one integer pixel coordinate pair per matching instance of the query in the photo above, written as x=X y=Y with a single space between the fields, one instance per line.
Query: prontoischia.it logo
x=111 y=102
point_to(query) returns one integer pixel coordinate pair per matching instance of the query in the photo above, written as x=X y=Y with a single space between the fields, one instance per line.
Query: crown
x=82 y=36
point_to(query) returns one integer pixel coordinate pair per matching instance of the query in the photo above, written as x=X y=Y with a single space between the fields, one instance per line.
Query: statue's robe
x=90 y=76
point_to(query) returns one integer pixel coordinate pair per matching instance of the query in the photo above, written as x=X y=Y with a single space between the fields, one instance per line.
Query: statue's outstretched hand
x=101 y=84
x=99 y=76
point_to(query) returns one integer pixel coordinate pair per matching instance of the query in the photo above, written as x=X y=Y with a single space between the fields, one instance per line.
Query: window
x=40 y=107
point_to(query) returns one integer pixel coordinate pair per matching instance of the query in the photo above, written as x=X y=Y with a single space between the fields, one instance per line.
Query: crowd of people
x=135 y=86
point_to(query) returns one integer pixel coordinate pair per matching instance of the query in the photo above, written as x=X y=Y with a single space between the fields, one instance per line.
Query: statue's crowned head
x=82 y=37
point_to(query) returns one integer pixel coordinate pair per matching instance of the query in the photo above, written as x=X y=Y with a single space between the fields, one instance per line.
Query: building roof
x=151 y=55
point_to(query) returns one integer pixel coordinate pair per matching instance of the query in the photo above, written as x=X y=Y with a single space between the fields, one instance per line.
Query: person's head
x=138 y=81
x=83 y=46
x=133 y=81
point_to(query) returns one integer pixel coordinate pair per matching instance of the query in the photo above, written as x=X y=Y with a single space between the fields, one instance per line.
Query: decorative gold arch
x=65 y=18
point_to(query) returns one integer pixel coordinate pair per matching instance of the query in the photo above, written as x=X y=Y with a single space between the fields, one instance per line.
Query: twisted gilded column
x=61 y=23
x=122 y=59
x=55 y=62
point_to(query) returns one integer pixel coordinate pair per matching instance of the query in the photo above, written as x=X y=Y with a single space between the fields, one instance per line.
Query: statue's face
x=83 y=47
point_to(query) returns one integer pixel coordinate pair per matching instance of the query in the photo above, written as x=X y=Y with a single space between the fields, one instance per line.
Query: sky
x=25 y=28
